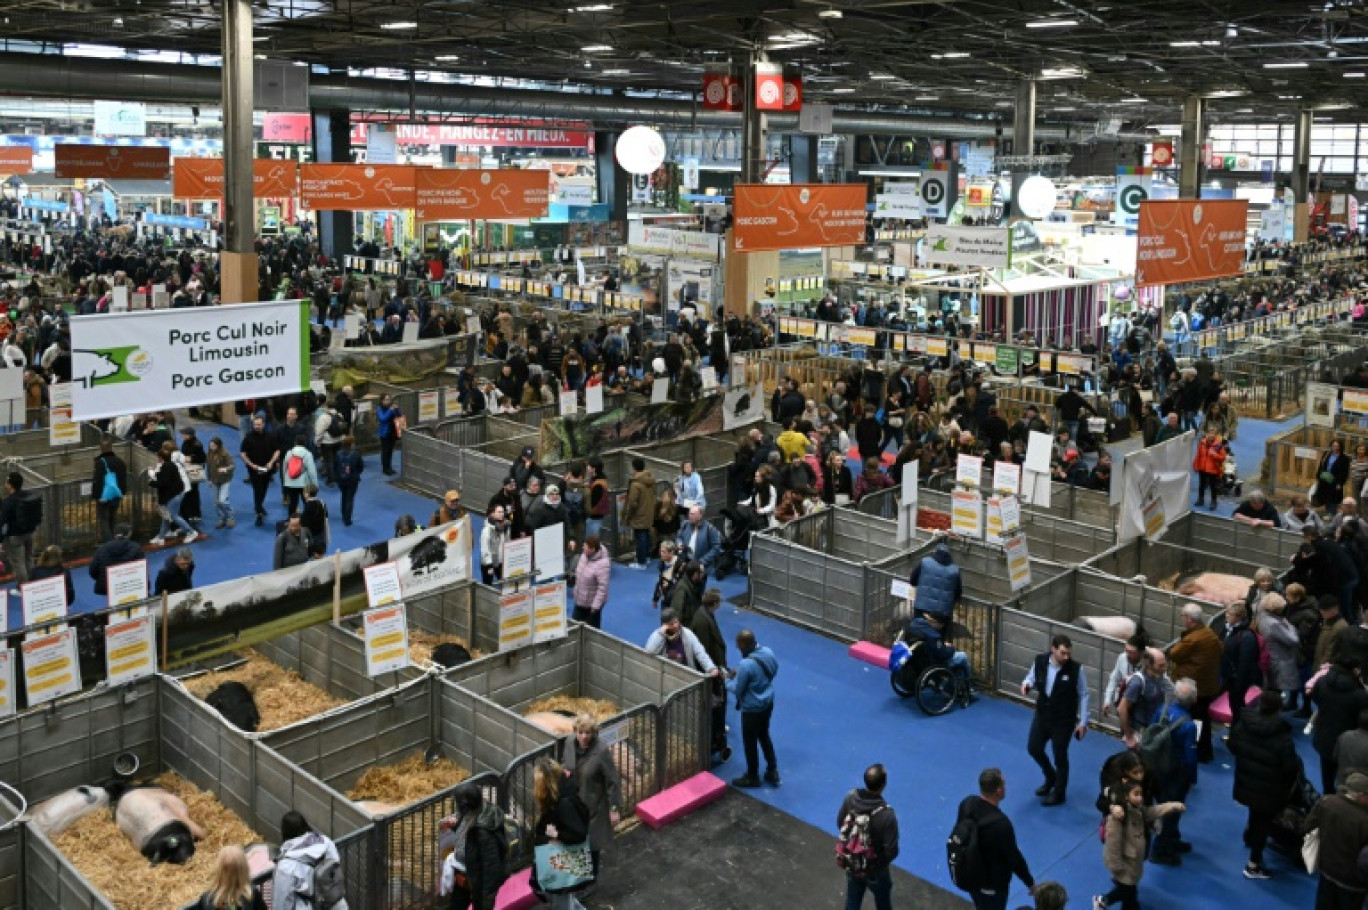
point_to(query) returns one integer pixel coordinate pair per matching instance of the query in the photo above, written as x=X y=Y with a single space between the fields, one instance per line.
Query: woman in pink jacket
x=591 y=583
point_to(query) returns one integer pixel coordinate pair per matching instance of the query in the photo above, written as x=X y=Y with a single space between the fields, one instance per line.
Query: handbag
x=195 y=473
x=563 y=867
x=1310 y=850
x=1326 y=478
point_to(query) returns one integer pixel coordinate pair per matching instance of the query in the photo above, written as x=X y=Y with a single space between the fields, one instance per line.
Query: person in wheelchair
x=929 y=629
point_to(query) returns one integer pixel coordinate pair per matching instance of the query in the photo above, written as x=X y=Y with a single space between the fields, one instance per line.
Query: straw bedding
x=111 y=863
x=598 y=708
x=282 y=697
x=408 y=781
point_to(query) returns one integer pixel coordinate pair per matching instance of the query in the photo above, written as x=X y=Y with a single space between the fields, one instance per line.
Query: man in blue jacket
x=702 y=539
x=753 y=685
x=938 y=583
x=930 y=628
x=1174 y=785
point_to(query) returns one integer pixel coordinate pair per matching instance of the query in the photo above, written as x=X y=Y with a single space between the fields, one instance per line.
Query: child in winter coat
x=1124 y=851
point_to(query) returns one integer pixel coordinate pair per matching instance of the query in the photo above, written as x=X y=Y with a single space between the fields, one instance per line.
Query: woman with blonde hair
x=596 y=775
x=233 y=888
x=562 y=818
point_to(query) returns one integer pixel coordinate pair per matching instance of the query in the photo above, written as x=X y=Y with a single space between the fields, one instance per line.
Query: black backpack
x=329 y=886
x=28 y=515
x=339 y=425
x=963 y=855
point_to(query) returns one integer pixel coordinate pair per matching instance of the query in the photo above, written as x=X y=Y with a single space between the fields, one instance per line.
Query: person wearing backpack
x=17 y=524
x=868 y=841
x=1144 y=697
x=1170 y=746
x=483 y=847
x=308 y=872
x=298 y=471
x=108 y=486
x=982 y=850
x=349 y=468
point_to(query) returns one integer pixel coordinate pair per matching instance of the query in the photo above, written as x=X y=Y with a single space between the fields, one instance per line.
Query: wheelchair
x=914 y=674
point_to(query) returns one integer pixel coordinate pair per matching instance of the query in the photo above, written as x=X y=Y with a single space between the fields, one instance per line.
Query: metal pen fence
x=1293 y=456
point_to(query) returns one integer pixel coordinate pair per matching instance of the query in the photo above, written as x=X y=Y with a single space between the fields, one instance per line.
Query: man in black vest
x=1061 y=712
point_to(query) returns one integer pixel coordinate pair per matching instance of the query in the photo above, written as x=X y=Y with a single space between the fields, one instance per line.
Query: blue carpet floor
x=834 y=716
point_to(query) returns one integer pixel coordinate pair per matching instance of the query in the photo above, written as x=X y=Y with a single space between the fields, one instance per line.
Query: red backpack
x=294 y=467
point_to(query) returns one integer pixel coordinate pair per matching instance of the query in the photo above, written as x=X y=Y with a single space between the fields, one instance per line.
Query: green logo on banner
x=109 y=366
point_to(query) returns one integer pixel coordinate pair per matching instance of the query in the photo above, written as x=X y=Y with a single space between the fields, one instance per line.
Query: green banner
x=1007 y=360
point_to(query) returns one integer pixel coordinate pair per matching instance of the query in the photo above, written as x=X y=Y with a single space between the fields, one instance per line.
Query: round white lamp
x=640 y=150
x=1036 y=198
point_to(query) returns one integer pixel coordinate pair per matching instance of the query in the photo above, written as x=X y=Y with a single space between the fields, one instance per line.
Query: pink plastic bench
x=871 y=653
x=516 y=893
x=681 y=799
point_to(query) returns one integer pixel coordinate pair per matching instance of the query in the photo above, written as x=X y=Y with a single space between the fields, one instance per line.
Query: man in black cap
x=525 y=466
x=512 y=505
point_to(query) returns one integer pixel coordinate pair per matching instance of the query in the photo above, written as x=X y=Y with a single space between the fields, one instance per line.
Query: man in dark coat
x=178 y=573
x=1266 y=764
x=113 y=553
x=1239 y=659
x=709 y=635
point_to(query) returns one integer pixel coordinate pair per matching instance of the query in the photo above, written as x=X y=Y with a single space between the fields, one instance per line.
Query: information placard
x=62 y=430
x=451 y=401
x=1009 y=507
x=548 y=608
x=1155 y=521
x=517 y=559
x=593 y=399
x=383 y=585
x=569 y=402
x=660 y=391
x=992 y=531
x=126 y=582
x=1018 y=563
x=386 y=633
x=515 y=619
x=45 y=600
x=548 y=551
x=1007 y=478
x=966 y=517
x=131 y=649
x=51 y=667
x=969 y=471
x=7 y=701
x=427 y=405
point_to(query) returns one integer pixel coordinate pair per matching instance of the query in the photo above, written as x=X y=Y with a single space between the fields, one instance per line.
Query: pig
x=1118 y=627
x=158 y=824
x=375 y=808
x=557 y=723
x=234 y=701
x=55 y=815
x=449 y=654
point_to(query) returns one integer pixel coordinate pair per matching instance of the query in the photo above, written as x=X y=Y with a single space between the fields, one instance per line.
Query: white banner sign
x=188 y=357
x=130 y=649
x=1131 y=190
x=386 y=639
x=120 y=118
x=934 y=190
x=548 y=611
x=897 y=205
x=990 y=247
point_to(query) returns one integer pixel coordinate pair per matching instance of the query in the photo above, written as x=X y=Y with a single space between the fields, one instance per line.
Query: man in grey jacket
x=292 y=545
x=679 y=644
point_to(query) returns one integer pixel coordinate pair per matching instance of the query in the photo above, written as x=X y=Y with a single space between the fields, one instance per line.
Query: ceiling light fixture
x=1052 y=23
x=446 y=58
x=881 y=77
x=1354 y=75
x=596 y=48
x=950 y=55
x=1065 y=109
x=1134 y=101
x=927 y=98
x=1062 y=72
x=1287 y=65
x=1227 y=93
x=1211 y=43
x=841 y=91
x=1185 y=44
x=830 y=14
x=617 y=72
x=398 y=26
x=593 y=8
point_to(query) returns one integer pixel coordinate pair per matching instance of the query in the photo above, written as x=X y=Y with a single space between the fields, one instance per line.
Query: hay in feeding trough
x=108 y=859
x=598 y=708
x=282 y=697
x=422 y=644
x=408 y=781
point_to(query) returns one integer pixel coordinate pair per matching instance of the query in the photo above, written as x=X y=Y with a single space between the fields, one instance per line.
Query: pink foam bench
x=1220 y=708
x=681 y=799
x=869 y=652
x=516 y=893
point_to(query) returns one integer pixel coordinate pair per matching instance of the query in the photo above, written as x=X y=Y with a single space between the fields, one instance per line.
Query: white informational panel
x=515 y=619
x=966 y=518
x=51 y=666
x=386 y=636
x=63 y=429
x=410 y=332
x=593 y=399
x=517 y=559
x=8 y=705
x=1007 y=478
x=549 y=608
x=382 y=584
x=548 y=551
x=131 y=649
x=451 y=401
x=1038 y=448
x=660 y=391
x=45 y=600
x=969 y=471
x=427 y=405
x=126 y=583
x=1018 y=563
x=907 y=507
x=569 y=403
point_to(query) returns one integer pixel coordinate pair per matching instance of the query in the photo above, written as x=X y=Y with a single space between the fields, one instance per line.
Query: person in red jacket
x=1208 y=462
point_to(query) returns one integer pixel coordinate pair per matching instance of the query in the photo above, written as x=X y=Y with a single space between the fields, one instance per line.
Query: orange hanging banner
x=777 y=217
x=121 y=162
x=356 y=187
x=16 y=159
x=202 y=178
x=452 y=194
x=1182 y=240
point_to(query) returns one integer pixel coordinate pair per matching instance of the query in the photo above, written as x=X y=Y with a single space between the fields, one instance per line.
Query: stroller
x=738 y=524
x=1230 y=476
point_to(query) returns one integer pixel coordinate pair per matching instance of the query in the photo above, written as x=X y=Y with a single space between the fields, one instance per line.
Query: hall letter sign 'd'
x=770 y=217
x=1182 y=240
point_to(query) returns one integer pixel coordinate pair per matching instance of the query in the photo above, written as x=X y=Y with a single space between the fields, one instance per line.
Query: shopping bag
x=564 y=867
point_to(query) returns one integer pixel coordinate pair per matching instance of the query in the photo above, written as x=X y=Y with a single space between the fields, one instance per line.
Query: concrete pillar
x=238 y=261
x=332 y=143
x=1190 y=143
x=754 y=124
x=1023 y=131
x=1301 y=157
x=802 y=159
x=614 y=185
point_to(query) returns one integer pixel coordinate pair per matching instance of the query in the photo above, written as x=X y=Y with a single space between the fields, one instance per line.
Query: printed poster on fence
x=7 y=701
x=548 y=612
x=45 y=600
x=968 y=471
x=992 y=532
x=1322 y=404
x=126 y=582
x=187 y=357
x=1153 y=514
x=130 y=649
x=1018 y=562
x=569 y=402
x=451 y=401
x=593 y=399
x=966 y=515
x=515 y=619
x=383 y=585
x=427 y=405
x=63 y=430
x=1007 y=478
x=742 y=406
x=51 y=667
x=386 y=634
x=517 y=559
x=1009 y=508
x=907 y=506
